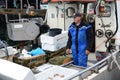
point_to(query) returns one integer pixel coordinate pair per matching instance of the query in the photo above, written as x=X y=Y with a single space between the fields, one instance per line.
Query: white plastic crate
x=45 y=38
x=54 y=43
x=54 y=47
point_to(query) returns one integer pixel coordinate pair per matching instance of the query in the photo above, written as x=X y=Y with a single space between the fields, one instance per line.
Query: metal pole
x=19 y=15
x=36 y=4
x=6 y=4
x=6 y=18
x=89 y=68
x=21 y=4
x=64 y=16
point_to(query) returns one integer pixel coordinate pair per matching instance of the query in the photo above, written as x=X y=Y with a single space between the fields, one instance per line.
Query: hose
x=108 y=39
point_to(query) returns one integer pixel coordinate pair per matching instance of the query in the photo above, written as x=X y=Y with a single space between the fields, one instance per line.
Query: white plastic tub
x=55 y=73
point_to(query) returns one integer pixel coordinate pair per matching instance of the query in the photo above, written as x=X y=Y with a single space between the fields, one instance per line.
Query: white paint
x=118 y=16
x=54 y=12
x=100 y=42
x=60 y=19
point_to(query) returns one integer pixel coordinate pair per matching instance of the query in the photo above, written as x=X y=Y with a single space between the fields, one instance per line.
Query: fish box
x=56 y=73
x=45 y=38
x=30 y=62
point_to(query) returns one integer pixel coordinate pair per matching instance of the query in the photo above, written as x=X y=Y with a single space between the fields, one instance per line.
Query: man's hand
x=87 y=52
x=68 y=51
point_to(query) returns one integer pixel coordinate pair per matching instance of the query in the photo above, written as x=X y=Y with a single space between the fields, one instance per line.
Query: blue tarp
x=37 y=51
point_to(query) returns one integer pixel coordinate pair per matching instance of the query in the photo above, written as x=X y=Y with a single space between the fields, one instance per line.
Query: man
x=80 y=41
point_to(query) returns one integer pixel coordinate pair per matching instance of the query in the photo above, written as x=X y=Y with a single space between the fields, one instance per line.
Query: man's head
x=77 y=18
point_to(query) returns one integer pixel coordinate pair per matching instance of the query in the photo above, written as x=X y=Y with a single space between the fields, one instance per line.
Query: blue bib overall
x=79 y=55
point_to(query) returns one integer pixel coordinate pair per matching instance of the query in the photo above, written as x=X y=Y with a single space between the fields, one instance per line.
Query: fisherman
x=80 y=40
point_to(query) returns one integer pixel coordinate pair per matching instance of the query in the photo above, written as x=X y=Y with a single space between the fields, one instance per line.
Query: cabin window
x=105 y=11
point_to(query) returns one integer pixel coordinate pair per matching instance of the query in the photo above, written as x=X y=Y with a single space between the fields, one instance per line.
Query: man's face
x=77 y=20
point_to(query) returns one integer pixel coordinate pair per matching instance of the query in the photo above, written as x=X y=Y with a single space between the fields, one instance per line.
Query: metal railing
x=92 y=67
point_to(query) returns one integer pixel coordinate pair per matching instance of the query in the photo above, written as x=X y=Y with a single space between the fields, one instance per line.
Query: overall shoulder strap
x=89 y=26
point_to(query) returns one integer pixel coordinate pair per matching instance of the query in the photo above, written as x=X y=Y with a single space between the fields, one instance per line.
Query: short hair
x=77 y=15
